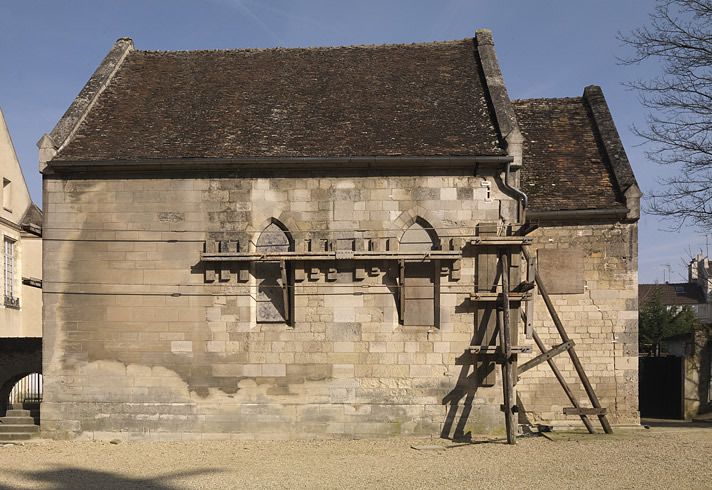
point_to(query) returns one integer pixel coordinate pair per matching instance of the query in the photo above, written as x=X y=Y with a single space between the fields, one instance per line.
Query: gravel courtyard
x=658 y=458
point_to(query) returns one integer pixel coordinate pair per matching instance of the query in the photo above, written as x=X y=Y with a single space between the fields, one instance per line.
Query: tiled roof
x=565 y=166
x=672 y=294
x=417 y=100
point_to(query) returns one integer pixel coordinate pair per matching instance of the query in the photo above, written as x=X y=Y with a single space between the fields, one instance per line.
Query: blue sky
x=48 y=49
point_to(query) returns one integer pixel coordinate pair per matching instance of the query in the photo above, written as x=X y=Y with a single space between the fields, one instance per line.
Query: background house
x=283 y=243
x=679 y=384
x=21 y=296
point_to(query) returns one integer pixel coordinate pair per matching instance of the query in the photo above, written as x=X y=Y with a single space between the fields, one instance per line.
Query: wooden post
x=572 y=353
x=436 y=293
x=529 y=307
x=506 y=347
x=401 y=291
x=285 y=292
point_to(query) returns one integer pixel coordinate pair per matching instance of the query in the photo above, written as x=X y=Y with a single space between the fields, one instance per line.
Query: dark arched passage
x=18 y=358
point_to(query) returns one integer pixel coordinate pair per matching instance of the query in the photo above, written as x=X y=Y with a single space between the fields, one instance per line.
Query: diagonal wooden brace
x=546 y=356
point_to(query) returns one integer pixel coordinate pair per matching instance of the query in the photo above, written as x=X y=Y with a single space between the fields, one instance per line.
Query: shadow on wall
x=78 y=478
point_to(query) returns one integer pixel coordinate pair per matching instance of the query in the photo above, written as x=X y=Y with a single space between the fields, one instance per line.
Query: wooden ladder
x=506 y=354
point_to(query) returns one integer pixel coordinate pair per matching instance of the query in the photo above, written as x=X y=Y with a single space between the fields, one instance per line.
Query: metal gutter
x=276 y=163
x=574 y=214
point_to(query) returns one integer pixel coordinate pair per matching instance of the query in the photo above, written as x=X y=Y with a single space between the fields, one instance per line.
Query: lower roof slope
x=565 y=165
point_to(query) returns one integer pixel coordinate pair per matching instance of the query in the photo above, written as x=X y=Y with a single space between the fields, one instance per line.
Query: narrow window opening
x=9 y=274
x=273 y=285
x=419 y=278
x=6 y=194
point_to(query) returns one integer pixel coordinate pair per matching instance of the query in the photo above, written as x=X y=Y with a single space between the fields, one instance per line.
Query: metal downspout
x=521 y=196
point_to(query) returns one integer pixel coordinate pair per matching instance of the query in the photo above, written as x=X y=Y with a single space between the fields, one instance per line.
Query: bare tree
x=679 y=125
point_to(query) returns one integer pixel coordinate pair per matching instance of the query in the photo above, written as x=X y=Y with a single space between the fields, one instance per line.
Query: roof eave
x=578 y=216
x=275 y=163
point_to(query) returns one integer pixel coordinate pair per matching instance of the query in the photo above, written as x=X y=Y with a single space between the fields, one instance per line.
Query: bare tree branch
x=679 y=125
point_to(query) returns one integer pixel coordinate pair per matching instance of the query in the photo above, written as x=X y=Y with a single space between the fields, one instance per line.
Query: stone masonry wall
x=602 y=321
x=137 y=342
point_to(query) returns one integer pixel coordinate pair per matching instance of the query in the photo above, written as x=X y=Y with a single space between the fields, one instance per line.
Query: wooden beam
x=213 y=256
x=529 y=306
x=489 y=296
x=584 y=411
x=496 y=349
x=495 y=240
x=506 y=344
x=401 y=291
x=546 y=356
x=436 y=293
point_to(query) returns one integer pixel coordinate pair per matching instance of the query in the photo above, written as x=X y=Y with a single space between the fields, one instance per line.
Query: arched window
x=419 y=304
x=420 y=236
x=273 y=278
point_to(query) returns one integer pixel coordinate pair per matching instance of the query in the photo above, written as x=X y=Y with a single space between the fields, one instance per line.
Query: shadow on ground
x=66 y=478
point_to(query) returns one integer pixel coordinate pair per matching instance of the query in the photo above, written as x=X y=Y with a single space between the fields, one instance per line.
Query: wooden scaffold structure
x=502 y=251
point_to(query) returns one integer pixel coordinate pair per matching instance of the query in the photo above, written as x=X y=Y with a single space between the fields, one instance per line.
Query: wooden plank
x=495 y=349
x=572 y=352
x=546 y=356
x=501 y=240
x=486 y=278
x=215 y=256
x=584 y=411
x=494 y=297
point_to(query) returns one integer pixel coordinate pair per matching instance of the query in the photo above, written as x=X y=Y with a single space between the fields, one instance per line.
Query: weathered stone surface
x=140 y=358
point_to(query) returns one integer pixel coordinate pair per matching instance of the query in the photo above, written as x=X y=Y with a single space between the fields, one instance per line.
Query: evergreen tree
x=658 y=322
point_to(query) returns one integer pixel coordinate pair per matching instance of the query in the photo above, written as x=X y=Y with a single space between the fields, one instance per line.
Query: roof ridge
x=549 y=99
x=304 y=48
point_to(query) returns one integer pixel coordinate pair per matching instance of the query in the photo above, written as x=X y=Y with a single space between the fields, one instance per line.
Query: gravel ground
x=657 y=458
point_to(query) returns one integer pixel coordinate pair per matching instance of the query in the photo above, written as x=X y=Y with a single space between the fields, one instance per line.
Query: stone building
x=20 y=278
x=282 y=243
